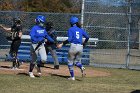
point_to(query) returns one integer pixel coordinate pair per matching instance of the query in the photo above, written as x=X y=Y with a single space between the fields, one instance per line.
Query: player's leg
x=33 y=59
x=43 y=58
x=13 y=55
x=13 y=52
x=78 y=59
x=54 y=56
x=46 y=48
x=16 y=47
x=71 y=56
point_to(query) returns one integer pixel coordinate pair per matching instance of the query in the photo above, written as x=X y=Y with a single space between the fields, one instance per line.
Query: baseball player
x=75 y=35
x=38 y=35
x=51 y=47
x=15 y=37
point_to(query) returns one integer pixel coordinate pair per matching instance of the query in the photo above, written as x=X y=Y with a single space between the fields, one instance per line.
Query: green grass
x=120 y=81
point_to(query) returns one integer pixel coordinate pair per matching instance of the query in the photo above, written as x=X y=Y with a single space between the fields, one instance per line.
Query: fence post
x=129 y=32
x=82 y=13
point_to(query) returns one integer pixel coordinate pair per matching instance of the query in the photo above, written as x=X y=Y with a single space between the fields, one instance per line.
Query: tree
x=65 y=6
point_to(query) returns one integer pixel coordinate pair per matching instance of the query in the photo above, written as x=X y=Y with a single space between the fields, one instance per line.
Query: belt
x=76 y=43
x=37 y=42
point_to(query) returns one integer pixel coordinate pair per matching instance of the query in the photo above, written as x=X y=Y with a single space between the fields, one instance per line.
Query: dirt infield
x=5 y=68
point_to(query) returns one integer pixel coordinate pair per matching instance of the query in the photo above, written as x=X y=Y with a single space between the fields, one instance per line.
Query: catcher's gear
x=16 y=21
x=73 y=20
x=49 y=25
x=13 y=35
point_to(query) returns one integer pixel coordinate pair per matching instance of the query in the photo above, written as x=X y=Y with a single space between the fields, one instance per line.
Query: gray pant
x=40 y=51
x=75 y=53
x=53 y=53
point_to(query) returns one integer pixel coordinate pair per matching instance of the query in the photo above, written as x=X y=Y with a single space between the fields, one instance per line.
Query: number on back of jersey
x=77 y=35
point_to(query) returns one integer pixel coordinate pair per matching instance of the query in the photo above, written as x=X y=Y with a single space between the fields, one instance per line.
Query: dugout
x=24 y=52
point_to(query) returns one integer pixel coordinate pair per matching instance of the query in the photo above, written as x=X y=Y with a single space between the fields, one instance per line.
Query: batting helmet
x=74 y=20
x=40 y=19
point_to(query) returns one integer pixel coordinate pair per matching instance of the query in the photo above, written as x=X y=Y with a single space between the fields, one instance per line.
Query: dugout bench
x=24 y=52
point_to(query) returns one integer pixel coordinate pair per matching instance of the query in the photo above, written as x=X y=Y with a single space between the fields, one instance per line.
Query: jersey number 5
x=77 y=35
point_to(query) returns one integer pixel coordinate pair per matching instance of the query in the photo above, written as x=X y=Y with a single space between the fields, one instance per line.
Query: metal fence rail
x=115 y=23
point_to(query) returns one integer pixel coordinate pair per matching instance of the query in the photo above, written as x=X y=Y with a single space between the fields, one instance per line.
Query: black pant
x=14 y=50
x=52 y=50
x=14 y=47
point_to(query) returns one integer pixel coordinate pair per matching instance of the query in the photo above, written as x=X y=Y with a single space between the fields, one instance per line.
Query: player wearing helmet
x=51 y=47
x=15 y=37
x=75 y=34
x=38 y=35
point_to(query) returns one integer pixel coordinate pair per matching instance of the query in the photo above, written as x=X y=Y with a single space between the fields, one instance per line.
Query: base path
x=5 y=68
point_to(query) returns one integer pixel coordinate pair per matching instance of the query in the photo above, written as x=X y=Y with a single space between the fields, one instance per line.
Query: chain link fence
x=114 y=22
x=60 y=20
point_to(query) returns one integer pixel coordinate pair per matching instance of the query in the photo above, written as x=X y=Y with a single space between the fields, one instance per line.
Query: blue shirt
x=75 y=35
x=38 y=34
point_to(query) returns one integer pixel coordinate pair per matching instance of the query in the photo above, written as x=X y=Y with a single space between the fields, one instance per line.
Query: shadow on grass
x=47 y=67
x=26 y=74
x=6 y=67
x=66 y=77
x=136 y=91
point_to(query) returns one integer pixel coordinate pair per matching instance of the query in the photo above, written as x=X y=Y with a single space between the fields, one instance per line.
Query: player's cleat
x=31 y=75
x=56 y=67
x=71 y=78
x=83 y=71
x=38 y=70
x=14 y=68
x=39 y=74
x=42 y=64
x=21 y=63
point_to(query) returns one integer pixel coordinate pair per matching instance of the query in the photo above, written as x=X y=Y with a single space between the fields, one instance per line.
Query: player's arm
x=20 y=34
x=5 y=28
x=54 y=35
x=69 y=37
x=32 y=34
x=49 y=38
x=86 y=36
x=66 y=41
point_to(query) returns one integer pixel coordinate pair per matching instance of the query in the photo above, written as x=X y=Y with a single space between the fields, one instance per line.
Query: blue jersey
x=75 y=35
x=38 y=34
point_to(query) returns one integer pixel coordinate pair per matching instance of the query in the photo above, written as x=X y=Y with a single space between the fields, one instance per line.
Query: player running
x=51 y=47
x=38 y=35
x=75 y=35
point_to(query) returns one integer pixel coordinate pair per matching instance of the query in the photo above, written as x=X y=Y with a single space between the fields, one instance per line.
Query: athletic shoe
x=21 y=63
x=42 y=64
x=39 y=74
x=83 y=71
x=14 y=68
x=38 y=69
x=71 y=78
x=31 y=74
x=56 y=67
